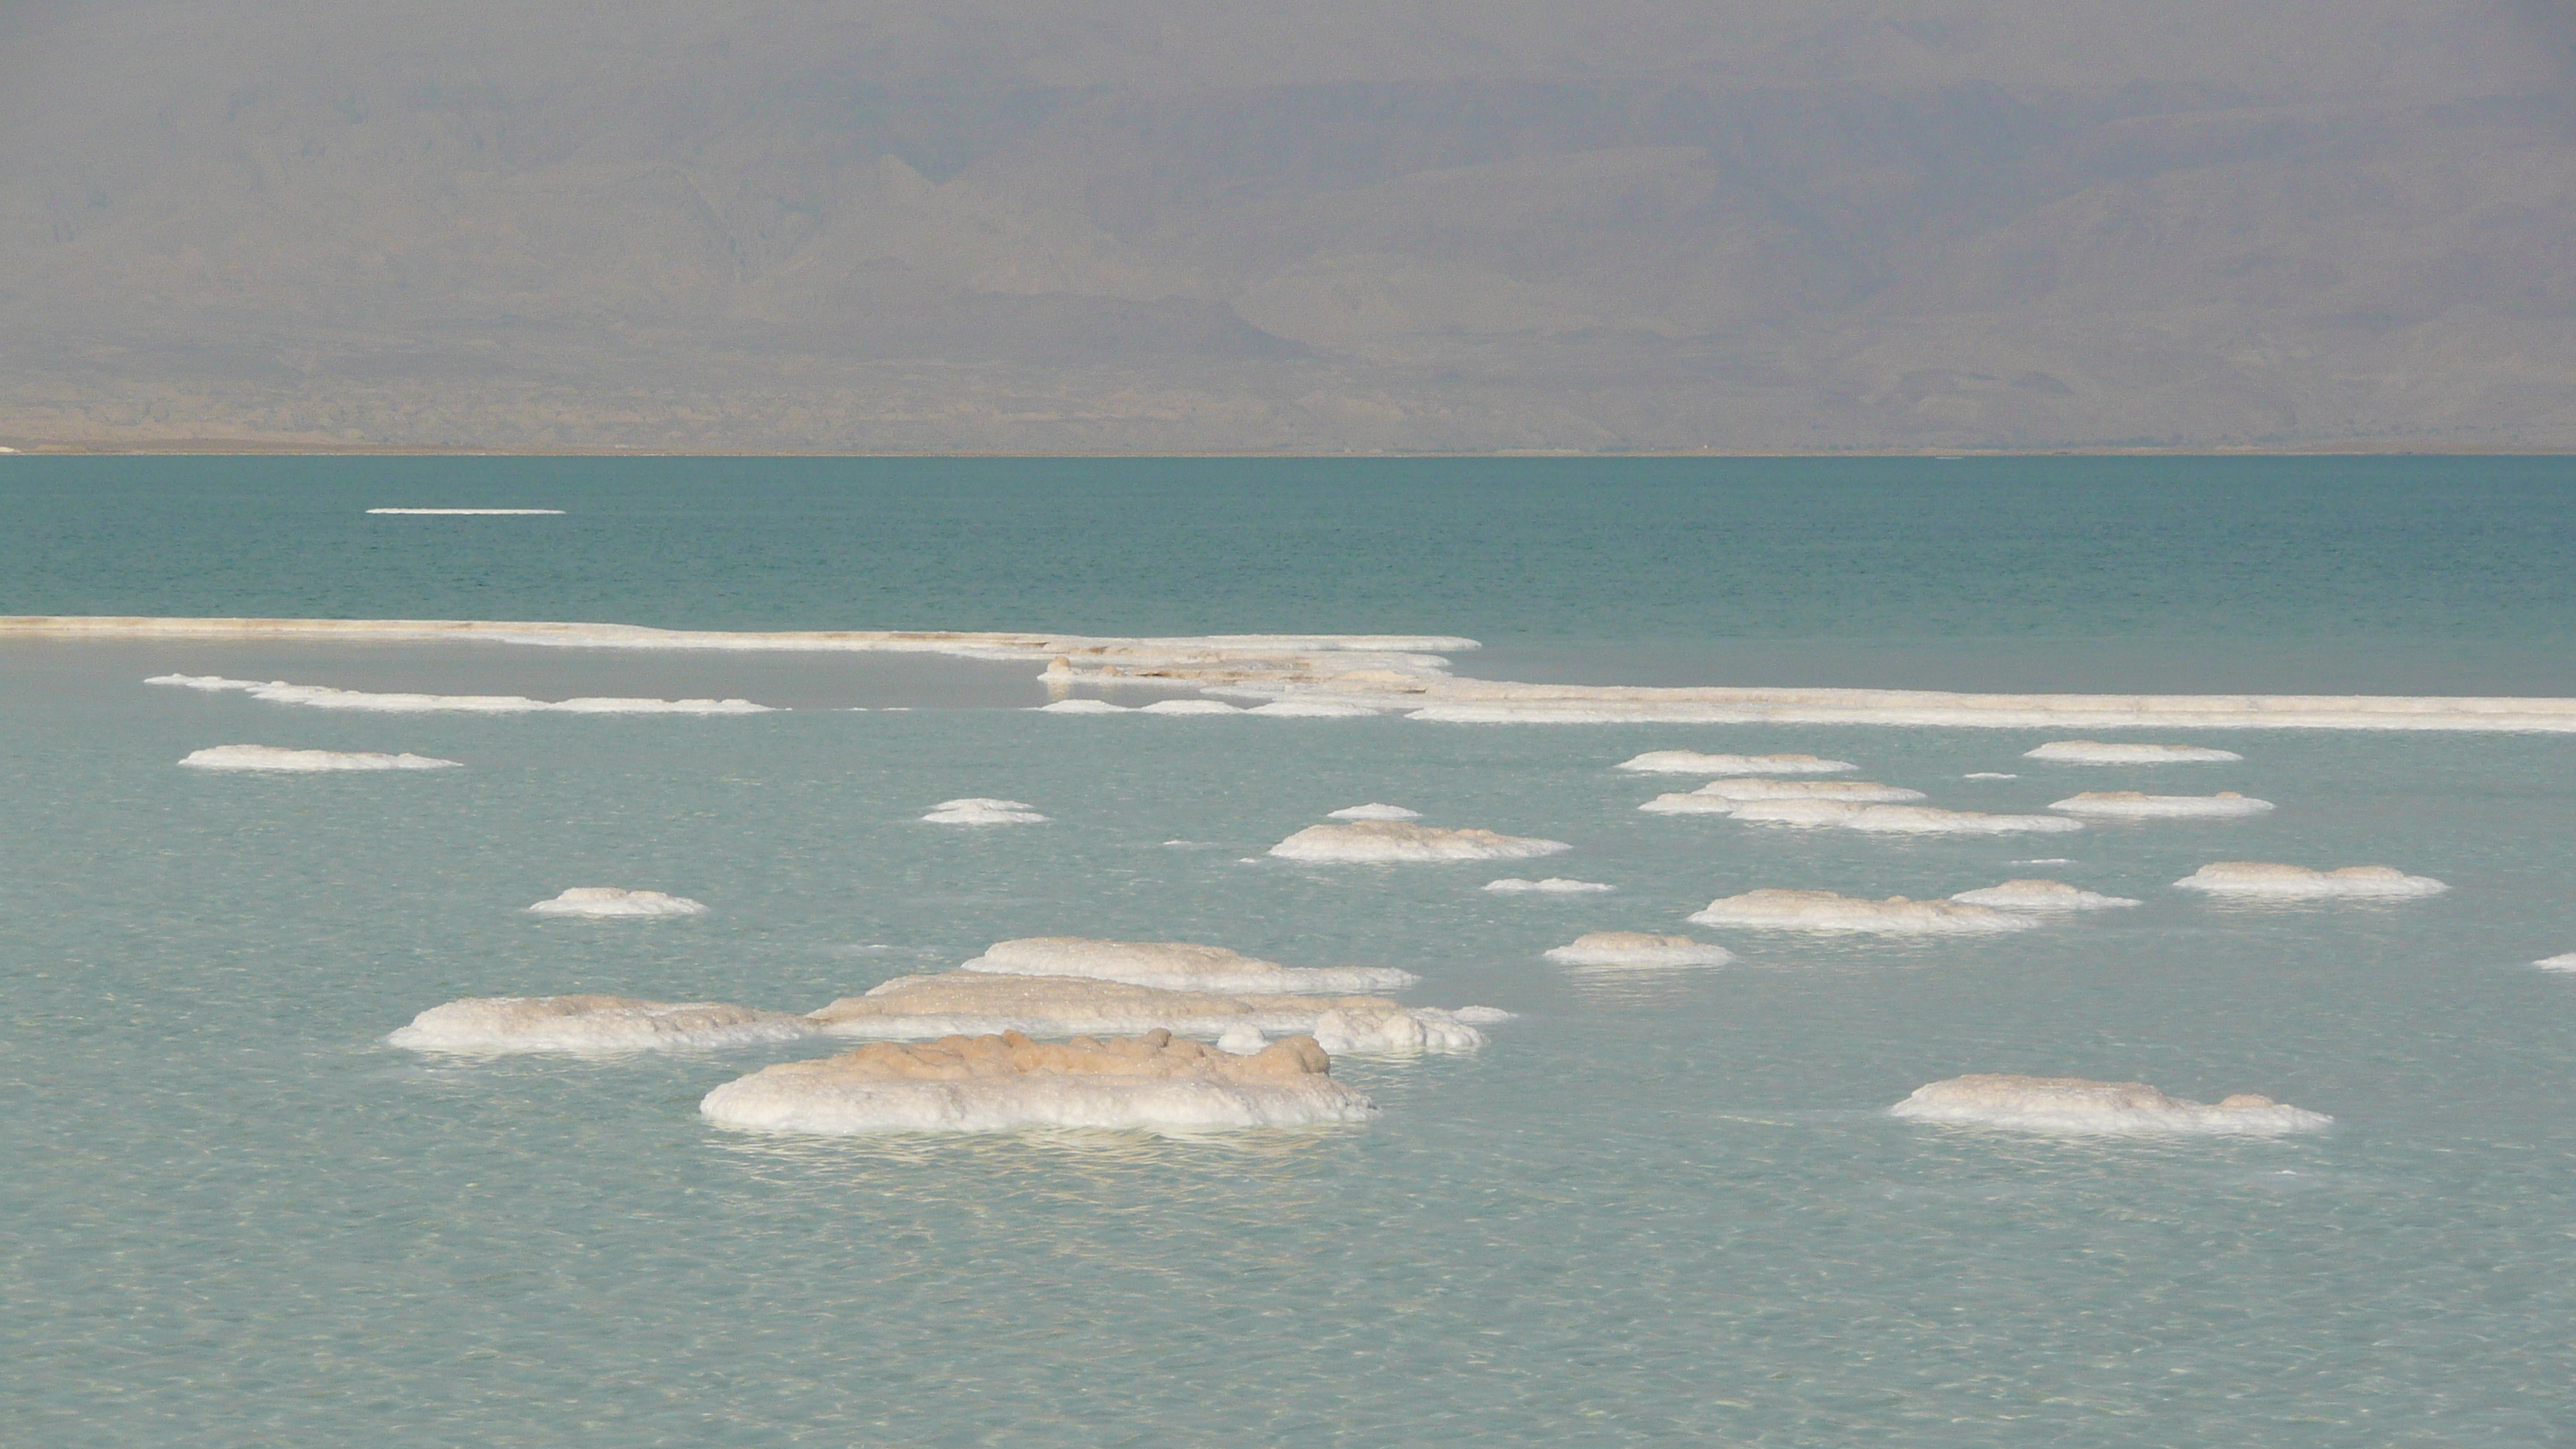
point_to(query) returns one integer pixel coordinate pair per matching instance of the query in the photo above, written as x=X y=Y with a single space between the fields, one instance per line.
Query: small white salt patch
x=1312 y=709
x=2041 y=895
x=2297 y=882
x=1691 y=762
x=1177 y=966
x=2132 y=805
x=2095 y=752
x=2074 y=1105
x=1373 y=811
x=976 y=811
x=1989 y=775
x=1189 y=706
x=2557 y=963
x=1241 y=1040
x=1082 y=706
x=270 y=758
x=608 y=902
x=1555 y=885
x=1638 y=949
x=1786 y=910
x=1397 y=841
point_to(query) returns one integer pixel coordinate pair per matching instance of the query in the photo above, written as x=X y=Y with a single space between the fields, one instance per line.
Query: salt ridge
x=500 y=1024
x=976 y=810
x=608 y=902
x=1373 y=811
x=969 y=1003
x=323 y=696
x=1692 y=762
x=1555 y=885
x=2133 y=805
x=1894 y=819
x=2077 y=1106
x=1638 y=949
x=1792 y=910
x=2095 y=752
x=1399 y=842
x=1858 y=792
x=2298 y=882
x=270 y=757
x=1179 y=966
x=2041 y=895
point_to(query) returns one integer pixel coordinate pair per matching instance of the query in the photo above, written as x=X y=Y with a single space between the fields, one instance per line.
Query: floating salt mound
x=1555 y=885
x=983 y=812
x=974 y=1003
x=611 y=901
x=269 y=757
x=592 y=1024
x=1082 y=706
x=1988 y=775
x=2095 y=752
x=323 y=696
x=1373 y=811
x=2265 y=878
x=1190 y=706
x=2557 y=963
x=1312 y=709
x=1778 y=910
x=1894 y=819
x=1856 y=792
x=1637 y=948
x=1385 y=841
x=2131 y=805
x=1692 y=762
x=2075 y=1105
x=1007 y=1082
x=2041 y=895
x=1177 y=966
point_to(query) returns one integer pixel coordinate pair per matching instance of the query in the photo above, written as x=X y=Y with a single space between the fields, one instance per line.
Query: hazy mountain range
x=1138 y=224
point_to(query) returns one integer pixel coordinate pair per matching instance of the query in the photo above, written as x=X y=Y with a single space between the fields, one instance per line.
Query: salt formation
x=1988 y=775
x=269 y=757
x=1779 y=910
x=1388 y=841
x=2076 y=1105
x=1893 y=819
x=1312 y=709
x=1082 y=706
x=1857 y=792
x=2095 y=752
x=1189 y=706
x=1373 y=811
x=1555 y=885
x=2557 y=963
x=2132 y=805
x=592 y=1024
x=1007 y=1082
x=2297 y=882
x=1637 y=948
x=1176 y=966
x=2041 y=895
x=1691 y=762
x=323 y=696
x=607 y=901
x=977 y=811
x=973 y=1003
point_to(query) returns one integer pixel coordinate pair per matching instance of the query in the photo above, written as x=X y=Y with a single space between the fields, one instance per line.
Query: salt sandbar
x=609 y=901
x=269 y=757
x=1373 y=811
x=2076 y=1105
x=1555 y=885
x=1007 y=1082
x=1781 y=910
x=979 y=811
x=2041 y=895
x=2095 y=752
x=1638 y=948
x=2132 y=805
x=593 y=1024
x=323 y=696
x=1396 y=841
x=2267 y=878
x=972 y=1003
x=1177 y=966
x=1692 y=762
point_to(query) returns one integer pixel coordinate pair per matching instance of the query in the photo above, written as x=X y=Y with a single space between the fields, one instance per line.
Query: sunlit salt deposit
x=1190 y=706
x=1856 y=792
x=2076 y=1105
x=1638 y=948
x=1397 y=841
x=1083 y=706
x=1555 y=885
x=2557 y=963
x=2298 y=882
x=1807 y=813
x=1922 y=820
x=1241 y=1040
x=321 y=696
x=1373 y=811
x=1312 y=709
x=978 y=811
x=973 y=1003
x=1006 y=1082
x=482 y=1024
x=1692 y=762
x=1784 y=910
x=2132 y=805
x=2095 y=752
x=2041 y=895
x=610 y=901
x=269 y=757
x=1177 y=966
x=1988 y=775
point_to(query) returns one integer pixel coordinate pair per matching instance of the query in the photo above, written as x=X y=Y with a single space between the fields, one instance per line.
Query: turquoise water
x=1658 y=1208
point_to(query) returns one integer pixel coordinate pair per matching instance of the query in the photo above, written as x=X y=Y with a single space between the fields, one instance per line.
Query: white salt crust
x=1312 y=709
x=1855 y=792
x=1988 y=775
x=2298 y=882
x=610 y=901
x=269 y=757
x=978 y=811
x=1082 y=706
x=1373 y=811
x=1692 y=762
x=2557 y=963
x=2095 y=752
x=1555 y=885
x=1189 y=706
x=2041 y=895
x=1895 y=819
x=2074 y=1105
x=2132 y=805
x=1782 y=910
x=1009 y=1083
x=971 y=1003
x=321 y=696
x=1638 y=949
x=494 y=1024
x=1177 y=966
x=1400 y=842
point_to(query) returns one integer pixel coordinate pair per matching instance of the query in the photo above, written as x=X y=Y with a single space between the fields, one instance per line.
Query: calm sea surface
x=1660 y=1208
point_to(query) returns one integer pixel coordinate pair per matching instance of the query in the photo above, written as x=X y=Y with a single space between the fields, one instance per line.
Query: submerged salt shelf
x=1888 y=819
x=1692 y=762
x=1555 y=885
x=1638 y=949
x=2076 y=1105
x=269 y=757
x=1178 y=966
x=1006 y=1082
x=1788 y=910
x=499 y=1024
x=2298 y=882
x=2041 y=895
x=2095 y=752
x=969 y=1003
x=1373 y=811
x=322 y=696
x=1397 y=842
x=2133 y=805
x=977 y=810
x=613 y=902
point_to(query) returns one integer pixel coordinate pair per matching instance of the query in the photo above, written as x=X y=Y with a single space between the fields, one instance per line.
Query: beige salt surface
x=1177 y=965
x=1790 y=910
x=2076 y=1105
x=2259 y=879
x=972 y=1003
x=1384 y=842
x=2137 y=805
x=2041 y=895
x=1638 y=949
x=504 y=1024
